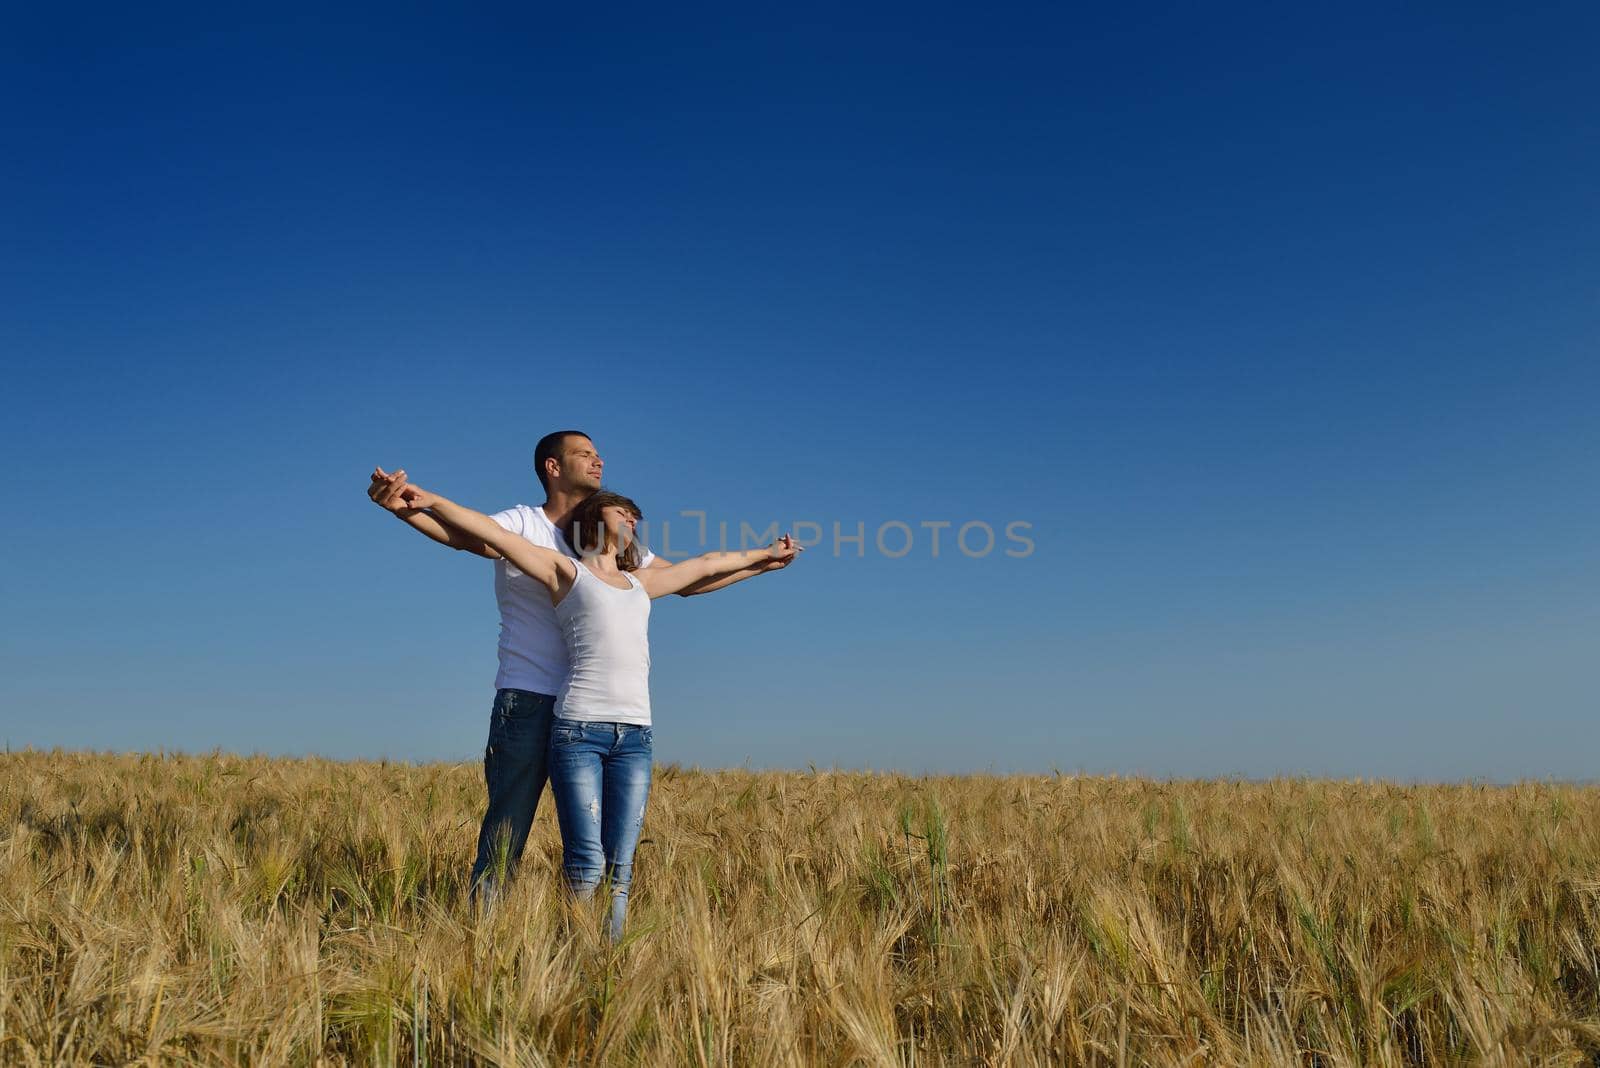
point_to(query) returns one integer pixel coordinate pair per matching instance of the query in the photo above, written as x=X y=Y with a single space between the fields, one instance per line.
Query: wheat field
x=220 y=910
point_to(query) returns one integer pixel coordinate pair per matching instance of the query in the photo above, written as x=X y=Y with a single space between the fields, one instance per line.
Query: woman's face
x=620 y=524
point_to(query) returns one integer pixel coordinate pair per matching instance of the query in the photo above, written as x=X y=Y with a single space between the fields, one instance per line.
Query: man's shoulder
x=531 y=523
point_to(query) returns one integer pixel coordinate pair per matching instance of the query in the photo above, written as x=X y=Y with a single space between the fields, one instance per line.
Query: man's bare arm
x=720 y=582
x=385 y=492
x=660 y=581
x=540 y=564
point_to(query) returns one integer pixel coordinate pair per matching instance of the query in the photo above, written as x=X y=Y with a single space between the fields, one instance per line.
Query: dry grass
x=219 y=910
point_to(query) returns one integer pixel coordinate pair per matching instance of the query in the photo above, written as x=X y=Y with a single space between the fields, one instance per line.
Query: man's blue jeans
x=514 y=768
x=600 y=776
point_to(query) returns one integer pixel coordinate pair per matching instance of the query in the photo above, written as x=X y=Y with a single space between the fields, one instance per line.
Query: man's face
x=581 y=465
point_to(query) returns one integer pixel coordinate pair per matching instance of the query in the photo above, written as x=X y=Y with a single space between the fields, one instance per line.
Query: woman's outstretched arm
x=538 y=563
x=660 y=581
x=386 y=491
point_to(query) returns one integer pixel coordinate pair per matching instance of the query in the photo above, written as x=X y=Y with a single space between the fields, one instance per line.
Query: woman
x=600 y=739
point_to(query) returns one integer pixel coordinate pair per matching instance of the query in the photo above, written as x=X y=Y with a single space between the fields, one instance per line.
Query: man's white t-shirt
x=533 y=655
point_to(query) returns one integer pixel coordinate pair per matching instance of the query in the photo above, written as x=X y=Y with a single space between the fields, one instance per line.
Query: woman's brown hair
x=585 y=528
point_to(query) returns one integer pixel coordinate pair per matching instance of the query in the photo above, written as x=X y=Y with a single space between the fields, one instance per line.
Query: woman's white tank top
x=608 y=650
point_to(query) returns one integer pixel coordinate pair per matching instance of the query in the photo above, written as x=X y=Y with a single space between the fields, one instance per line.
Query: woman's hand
x=417 y=497
x=783 y=550
x=385 y=490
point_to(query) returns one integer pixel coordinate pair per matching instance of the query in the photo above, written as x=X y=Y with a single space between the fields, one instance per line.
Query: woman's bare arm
x=660 y=581
x=720 y=582
x=538 y=563
x=387 y=492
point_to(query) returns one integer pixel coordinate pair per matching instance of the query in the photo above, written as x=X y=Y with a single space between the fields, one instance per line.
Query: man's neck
x=560 y=503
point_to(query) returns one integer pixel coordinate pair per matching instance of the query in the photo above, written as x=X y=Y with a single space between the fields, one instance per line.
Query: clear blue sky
x=1277 y=324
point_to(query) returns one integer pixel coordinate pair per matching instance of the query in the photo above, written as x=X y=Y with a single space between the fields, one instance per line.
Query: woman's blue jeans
x=600 y=776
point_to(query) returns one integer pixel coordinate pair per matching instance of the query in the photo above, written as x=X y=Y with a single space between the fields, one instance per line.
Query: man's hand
x=386 y=490
x=779 y=555
x=399 y=498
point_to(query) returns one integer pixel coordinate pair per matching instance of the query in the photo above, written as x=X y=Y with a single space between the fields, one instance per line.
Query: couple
x=572 y=700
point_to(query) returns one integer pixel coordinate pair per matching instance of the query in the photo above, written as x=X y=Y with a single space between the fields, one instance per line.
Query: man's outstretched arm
x=385 y=492
x=675 y=578
x=721 y=582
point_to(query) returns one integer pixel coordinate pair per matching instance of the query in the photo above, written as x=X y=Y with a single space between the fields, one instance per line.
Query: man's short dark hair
x=549 y=448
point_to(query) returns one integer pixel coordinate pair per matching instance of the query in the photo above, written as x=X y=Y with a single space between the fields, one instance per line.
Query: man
x=533 y=657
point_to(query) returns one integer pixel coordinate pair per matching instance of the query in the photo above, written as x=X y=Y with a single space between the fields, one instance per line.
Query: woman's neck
x=605 y=562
